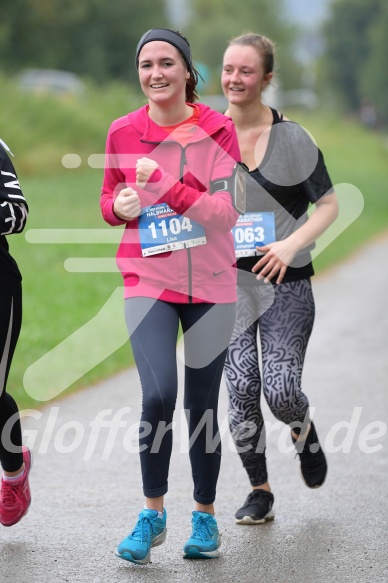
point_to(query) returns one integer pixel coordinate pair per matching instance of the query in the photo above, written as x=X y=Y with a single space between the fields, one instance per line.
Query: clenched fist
x=127 y=204
x=144 y=168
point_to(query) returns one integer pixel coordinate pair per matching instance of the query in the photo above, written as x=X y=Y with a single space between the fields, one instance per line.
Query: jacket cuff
x=112 y=218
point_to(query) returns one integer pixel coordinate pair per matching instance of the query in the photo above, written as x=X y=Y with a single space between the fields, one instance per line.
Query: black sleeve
x=13 y=205
x=318 y=183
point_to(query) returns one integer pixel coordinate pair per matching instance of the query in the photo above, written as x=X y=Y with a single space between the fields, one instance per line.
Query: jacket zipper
x=183 y=162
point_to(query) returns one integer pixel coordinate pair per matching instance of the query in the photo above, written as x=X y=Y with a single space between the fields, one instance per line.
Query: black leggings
x=10 y=324
x=153 y=328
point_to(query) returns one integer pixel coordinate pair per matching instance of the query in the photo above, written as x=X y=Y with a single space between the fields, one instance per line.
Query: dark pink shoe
x=15 y=497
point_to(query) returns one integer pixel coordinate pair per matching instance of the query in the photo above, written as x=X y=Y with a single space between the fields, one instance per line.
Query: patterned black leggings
x=284 y=316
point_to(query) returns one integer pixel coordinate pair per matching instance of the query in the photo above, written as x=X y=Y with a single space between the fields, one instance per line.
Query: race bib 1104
x=161 y=229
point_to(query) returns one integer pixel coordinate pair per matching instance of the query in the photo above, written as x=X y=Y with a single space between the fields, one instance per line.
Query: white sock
x=13 y=478
x=160 y=514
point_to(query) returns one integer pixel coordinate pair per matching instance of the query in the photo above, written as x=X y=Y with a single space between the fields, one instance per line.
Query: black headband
x=168 y=36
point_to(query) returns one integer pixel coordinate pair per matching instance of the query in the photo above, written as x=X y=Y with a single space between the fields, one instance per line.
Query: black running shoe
x=257 y=508
x=312 y=459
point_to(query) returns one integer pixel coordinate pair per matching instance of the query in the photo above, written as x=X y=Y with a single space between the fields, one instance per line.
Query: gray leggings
x=153 y=328
x=284 y=316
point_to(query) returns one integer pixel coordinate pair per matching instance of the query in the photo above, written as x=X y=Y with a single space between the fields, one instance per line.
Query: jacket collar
x=208 y=124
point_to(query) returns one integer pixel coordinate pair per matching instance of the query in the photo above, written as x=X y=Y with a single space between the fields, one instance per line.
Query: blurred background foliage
x=97 y=40
x=354 y=63
x=93 y=38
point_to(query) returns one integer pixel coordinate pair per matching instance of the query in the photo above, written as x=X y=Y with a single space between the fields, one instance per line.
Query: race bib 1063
x=253 y=230
x=161 y=229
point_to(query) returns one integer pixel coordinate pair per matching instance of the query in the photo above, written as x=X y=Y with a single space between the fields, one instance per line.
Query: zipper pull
x=183 y=163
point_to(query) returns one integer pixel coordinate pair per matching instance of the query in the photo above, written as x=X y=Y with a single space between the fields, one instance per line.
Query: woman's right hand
x=127 y=204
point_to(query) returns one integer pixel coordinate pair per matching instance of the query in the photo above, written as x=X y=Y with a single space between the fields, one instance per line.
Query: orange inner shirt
x=183 y=131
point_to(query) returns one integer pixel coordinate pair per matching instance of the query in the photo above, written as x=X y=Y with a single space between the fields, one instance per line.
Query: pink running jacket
x=204 y=273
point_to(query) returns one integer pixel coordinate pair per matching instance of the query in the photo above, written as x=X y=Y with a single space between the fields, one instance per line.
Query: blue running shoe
x=205 y=538
x=150 y=531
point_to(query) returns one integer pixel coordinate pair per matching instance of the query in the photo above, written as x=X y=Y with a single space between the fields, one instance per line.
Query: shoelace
x=201 y=529
x=255 y=494
x=10 y=493
x=143 y=529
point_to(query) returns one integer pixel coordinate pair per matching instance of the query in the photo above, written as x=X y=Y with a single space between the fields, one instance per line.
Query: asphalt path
x=86 y=485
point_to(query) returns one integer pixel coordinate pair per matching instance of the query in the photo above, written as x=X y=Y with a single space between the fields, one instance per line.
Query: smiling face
x=243 y=78
x=162 y=73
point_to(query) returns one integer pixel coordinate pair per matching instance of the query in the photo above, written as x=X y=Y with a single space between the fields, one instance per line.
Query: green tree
x=355 y=61
x=374 y=79
x=92 y=37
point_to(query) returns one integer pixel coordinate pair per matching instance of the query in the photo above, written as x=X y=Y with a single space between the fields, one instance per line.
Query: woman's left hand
x=144 y=168
x=277 y=257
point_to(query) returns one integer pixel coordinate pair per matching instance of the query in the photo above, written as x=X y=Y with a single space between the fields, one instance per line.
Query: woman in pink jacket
x=167 y=178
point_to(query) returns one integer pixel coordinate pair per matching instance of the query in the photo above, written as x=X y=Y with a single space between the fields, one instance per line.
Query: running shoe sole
x=194 y=553
x=158 y=540
x=250 y=520
x=308 y=485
